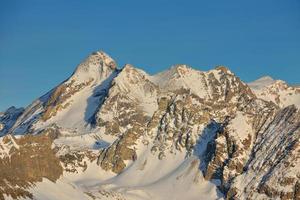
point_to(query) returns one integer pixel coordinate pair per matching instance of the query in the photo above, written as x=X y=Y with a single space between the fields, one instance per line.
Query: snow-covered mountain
x=111 y=133
x=276 y=91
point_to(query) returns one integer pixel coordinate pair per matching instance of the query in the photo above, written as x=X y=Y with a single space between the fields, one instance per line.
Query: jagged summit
x=92 y=80
x=224 y=69
x=96 y=66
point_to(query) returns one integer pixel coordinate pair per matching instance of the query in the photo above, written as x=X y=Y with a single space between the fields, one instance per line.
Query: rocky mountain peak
x=97 y=65
x=276 y=91
x=130 y=72
x=181 y=69
x=223 y=69
x=96 y=69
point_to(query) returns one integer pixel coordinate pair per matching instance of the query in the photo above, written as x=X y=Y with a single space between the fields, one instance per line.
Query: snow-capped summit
x=217 y=84
x=276 y=91
x=73 y=103
x=96 y=66
x=78 y=97
x=261 y=82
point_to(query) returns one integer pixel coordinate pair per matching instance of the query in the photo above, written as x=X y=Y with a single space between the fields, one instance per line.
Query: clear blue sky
x=41 y=42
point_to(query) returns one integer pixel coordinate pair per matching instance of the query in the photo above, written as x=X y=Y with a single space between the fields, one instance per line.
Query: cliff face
x=25 y=161
x=108 y=133
x=272 y=171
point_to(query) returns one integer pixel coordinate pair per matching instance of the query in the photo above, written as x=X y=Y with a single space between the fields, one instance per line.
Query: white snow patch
x=240 y=126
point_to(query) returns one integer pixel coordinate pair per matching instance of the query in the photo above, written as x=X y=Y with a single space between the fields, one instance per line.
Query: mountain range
x=122 y=134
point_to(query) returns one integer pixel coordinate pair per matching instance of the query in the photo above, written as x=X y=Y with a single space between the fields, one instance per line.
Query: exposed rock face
x=76 y=161
x=176 y=116
x=58 y=99
x=125 y=113
x=124 y=132
x=176 y=125
x=232 y=147
x=131 y=100
x=273 y=168
x=114 y=157
x=25 y=161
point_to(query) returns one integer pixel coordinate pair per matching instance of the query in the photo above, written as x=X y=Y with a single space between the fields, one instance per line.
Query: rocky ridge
x=113 y=129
